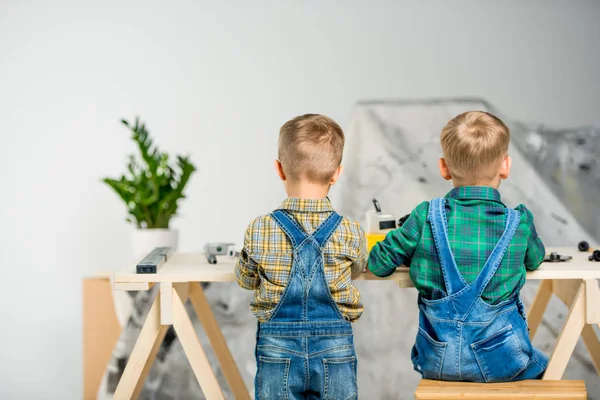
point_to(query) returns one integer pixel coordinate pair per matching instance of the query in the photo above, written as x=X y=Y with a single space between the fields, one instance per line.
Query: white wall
x=217 y=81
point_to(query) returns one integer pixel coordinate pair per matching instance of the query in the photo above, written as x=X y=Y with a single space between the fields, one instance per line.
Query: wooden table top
x=193 y=267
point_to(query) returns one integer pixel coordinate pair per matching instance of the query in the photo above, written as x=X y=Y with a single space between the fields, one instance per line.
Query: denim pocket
x=500 y=357
x=272 y=374
x=340 y=378
x=428 y=355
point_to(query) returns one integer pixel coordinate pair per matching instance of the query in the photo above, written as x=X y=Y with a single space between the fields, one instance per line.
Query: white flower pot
x=144 y=241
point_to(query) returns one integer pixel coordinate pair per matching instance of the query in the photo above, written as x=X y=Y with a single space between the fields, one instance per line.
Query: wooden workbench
x=574 y=282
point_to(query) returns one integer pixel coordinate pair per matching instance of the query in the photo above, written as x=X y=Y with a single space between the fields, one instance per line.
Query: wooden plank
x=193 y=267
x=192 y=348
x=144 y=346
x=166 y=303
x=532 y=389
x=592 y=298
x=568 y=337
x=219 y=345
x=131 y=286
x=538 y=306
x=161 y=336
x=101 y=330
x=225 y=273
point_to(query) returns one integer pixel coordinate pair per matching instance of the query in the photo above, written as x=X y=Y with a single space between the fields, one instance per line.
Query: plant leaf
x=154 y=187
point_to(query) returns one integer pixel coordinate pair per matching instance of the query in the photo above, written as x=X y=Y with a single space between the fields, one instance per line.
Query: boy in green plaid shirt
x=468 y=255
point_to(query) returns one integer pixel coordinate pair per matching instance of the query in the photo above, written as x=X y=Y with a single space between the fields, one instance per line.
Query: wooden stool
x=538 y=389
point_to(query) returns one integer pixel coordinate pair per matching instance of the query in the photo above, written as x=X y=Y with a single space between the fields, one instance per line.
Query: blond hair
x=474 y=144
x=310 y=148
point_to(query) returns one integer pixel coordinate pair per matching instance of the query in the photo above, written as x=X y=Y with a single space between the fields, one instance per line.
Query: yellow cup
x=373 y=238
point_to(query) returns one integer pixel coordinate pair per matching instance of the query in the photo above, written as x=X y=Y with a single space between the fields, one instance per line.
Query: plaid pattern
x=476 y=220
x=266 y=260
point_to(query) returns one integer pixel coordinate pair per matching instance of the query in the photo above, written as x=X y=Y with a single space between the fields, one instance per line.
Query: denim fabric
x=306 y=349
x=463 y=338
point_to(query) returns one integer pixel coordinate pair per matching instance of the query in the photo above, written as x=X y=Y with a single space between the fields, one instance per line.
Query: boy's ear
x=279 y=169
x=336 y=175
x=505 y=167
x=444 y=171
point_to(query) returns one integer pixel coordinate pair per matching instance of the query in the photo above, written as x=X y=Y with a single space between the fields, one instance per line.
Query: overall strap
x=289 y=225
x=513 y=218
x=326 y=229
x=439 y=226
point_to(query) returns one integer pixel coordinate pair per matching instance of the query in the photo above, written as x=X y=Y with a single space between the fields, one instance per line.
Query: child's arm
x=359 y=265
x=399 y=245
x=536 y=251
x=246 y=269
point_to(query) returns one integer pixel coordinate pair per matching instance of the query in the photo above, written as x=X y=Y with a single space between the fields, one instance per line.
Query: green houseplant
x=151 y=189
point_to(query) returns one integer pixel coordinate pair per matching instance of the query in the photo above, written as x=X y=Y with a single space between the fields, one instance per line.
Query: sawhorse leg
x=219 y=345
x=168 y=308
x=142 y=355
x=583 y=299
x=192 y=348
x=538 y=307
x=565 y=344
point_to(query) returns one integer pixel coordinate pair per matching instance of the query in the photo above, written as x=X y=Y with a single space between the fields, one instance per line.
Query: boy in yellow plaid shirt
x=299 y=260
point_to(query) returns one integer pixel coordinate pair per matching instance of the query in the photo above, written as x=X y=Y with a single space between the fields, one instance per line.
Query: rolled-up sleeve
x=246 y=269
x=359 y=265
x=399 y=245
x=536 y=250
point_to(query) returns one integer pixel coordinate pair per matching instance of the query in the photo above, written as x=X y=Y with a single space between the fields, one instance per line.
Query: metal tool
x=153 y=260
x=585 y=246
x=232 y=252
x=212 y=250
x=555 y=257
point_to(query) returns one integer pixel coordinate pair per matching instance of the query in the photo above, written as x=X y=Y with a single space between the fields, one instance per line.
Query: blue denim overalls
x=462 y=338
x=306 y=349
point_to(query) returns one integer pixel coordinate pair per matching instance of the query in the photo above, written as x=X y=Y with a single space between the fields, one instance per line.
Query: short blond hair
x=310 y=148
x=474 y=144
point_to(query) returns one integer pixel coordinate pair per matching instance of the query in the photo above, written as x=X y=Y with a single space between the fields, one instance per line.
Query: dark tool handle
x=583 y=246
x=376 y=204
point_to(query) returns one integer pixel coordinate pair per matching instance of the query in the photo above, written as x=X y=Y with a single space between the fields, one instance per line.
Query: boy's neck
x=493 y=184
x=306 y=190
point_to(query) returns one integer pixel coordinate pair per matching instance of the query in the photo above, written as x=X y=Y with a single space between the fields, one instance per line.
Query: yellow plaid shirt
x=266 y=260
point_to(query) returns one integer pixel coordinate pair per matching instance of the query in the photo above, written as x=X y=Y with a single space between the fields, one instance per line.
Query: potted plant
x=151 y=189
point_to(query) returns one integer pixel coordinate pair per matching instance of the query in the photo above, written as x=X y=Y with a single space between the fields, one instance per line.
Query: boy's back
x=468 y=254
x=476 y=220
x=266 y=260
x=299 y=260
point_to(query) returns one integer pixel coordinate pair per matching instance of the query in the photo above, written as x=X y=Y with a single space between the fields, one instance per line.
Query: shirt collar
x=474 y=193
x=306 y=205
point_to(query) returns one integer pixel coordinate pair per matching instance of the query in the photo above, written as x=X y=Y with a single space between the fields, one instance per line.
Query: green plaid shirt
x=476 y=220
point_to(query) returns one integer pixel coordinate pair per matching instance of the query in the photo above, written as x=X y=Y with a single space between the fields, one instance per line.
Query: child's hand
x=402 y=220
